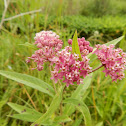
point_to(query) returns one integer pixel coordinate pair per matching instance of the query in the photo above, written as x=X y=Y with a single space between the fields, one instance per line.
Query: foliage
x=106 y=26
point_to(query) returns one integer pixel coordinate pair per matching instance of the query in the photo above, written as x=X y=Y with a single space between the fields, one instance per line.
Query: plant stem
x=61 y=112
x=61 y=104
x=95 y=69
x=59 y=83
x=94 y=103
x=53 y=80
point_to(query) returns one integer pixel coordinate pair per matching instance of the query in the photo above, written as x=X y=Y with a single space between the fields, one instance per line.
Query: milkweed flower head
x=69 y=68
x=48 y=39
x=85 y=49
x=49 y=44
x=113 y=60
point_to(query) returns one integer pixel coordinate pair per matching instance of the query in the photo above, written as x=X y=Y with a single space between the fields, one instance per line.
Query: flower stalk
x=96 y=69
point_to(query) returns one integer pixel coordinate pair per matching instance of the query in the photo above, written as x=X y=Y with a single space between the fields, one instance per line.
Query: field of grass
x=105 y=99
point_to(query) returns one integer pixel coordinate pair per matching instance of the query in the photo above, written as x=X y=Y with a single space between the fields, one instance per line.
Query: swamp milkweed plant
x=68 y=66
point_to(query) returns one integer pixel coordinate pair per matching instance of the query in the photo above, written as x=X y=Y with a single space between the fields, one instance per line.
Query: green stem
x=53 y=80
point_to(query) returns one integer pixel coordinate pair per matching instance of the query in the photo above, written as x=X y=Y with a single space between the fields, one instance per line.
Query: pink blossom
x=49 y=44
x=113 y=60
x=69 y=68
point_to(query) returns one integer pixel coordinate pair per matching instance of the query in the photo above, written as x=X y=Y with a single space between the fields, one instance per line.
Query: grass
x=106 y=100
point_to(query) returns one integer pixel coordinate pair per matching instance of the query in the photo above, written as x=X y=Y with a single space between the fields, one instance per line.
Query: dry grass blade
x=4 y=13
x=22 y=14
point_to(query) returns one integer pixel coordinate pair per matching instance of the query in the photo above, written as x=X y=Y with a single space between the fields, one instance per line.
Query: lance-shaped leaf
x=75 y=46
x=53 y=107
x=27 y=117
x=23 y=109
x=29 y=81
x=115 y=41
x=82 y=108
x=25 y=113
x=62 y=118
x=78 y=93
x=77 y=121
x=99 y=124
x=2 y=103
x=33 y=117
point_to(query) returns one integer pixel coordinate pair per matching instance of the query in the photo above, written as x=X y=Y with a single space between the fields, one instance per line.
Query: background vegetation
x=99 y=21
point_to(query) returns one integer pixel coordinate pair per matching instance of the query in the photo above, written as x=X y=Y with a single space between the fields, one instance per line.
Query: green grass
x=105 y=100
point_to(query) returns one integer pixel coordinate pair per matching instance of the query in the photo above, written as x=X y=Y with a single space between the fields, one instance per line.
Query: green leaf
x=53 y=107
x=78 y=93
x=81 y=89
x=63 y=118
x=23 y=109
x=2 y=103
x=123 y=41
x=82 y=108
x=77 y=121
x=115 y=41
x=100 y=111
x=33 y=117
x=29 y=81
x=75 y=46
x=26 y=114
x=26 y=117
x=99 y=124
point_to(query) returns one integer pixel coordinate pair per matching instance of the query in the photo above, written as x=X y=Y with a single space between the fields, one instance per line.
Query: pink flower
x=69 y=68
x=113 y=60
x=49 y=44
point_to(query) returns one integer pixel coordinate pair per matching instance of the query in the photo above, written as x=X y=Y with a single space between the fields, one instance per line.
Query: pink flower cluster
x=49 y=44
x=85 y=49
x=113 y=60
x=69 y=68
